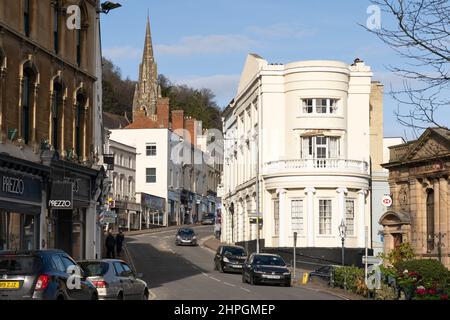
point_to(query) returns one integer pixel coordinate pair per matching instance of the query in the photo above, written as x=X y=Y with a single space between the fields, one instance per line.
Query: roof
x=144 y=123
x=393 y=217
x=114 y=121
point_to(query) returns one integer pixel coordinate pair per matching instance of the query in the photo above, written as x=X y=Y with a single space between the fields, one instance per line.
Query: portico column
x=282 y=222
x=341 y=204
x=361 y=218
x=310 y=216
x=437 y=209
x=443 y=218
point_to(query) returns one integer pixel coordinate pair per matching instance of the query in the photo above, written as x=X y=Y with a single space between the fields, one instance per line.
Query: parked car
x=322 y=274
x=186 y=237
x=42 y=275
x=208 y=219
x=115 y=280
x=229 y=258
x=266 y=268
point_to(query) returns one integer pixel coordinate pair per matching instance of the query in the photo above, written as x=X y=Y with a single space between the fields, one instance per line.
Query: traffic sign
x=386 y=201
x=372 y=260
x=108 y=217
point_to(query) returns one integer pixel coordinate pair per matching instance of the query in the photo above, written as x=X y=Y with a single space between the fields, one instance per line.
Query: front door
x=64 y=231
x=398 y=239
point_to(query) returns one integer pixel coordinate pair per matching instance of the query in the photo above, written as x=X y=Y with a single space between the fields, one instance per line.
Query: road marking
x=215 y=279
x=151 y=295
x=229 y=284
x=245 y=289
x=171 y=250
x=205 y=274
x=195 y=267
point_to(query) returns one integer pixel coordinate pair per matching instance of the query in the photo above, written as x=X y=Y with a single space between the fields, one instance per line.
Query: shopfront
x=21 y=195
x=174 y=208
x=155 y=208
x=73 y=228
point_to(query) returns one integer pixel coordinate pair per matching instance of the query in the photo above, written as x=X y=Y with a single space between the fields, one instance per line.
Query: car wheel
x=94 y=296
x=60 y=297
x=120 y=296
x=287 y=284
x=252 y=280
x=221 y=268
x=215 y=267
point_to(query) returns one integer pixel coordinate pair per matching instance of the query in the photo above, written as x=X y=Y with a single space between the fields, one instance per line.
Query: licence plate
x=9 y=285
x=271 y=277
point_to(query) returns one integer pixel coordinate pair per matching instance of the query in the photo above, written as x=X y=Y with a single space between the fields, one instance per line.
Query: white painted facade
x=310 y=120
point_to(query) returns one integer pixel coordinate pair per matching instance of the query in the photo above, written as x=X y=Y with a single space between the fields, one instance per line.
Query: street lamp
x=108 y=6
x=343 y=234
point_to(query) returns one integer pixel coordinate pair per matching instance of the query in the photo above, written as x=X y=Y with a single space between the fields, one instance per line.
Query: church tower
x=146 y=93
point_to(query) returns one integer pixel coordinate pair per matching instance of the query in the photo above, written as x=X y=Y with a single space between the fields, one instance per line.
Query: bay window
x=320 y=147
x=319 y=106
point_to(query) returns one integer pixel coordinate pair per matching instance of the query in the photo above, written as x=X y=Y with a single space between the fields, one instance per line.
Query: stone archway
x=396 y=229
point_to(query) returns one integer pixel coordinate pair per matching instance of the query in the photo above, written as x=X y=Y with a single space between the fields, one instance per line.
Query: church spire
x=146 y=92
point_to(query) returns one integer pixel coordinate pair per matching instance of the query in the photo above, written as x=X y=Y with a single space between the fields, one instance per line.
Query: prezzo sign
x=61 y=196
x=13 y=185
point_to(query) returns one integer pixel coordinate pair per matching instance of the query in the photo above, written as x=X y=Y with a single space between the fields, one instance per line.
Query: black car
x=42 y=275
x=266 y=268
x=208 y=219
x=230 y=258
x=186 y=237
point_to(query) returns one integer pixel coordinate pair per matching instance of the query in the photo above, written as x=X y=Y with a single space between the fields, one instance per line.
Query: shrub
x=351 y=278
x=429 y=270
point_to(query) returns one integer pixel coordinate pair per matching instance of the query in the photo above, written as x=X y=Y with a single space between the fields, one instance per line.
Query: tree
x=420 y=35
x=117 y=92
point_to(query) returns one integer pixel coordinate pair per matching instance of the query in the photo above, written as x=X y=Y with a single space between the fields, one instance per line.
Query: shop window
x=17 y=231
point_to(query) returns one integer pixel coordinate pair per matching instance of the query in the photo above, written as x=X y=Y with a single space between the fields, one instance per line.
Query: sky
x=204 y=43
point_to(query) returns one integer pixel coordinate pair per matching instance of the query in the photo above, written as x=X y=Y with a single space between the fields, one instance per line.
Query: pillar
x=443 y=219
x=282 y=233
x=437 y=225
x=361 y=218
x=310 y=216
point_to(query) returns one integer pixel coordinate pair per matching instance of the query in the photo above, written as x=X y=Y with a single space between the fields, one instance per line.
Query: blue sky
x=204 y=43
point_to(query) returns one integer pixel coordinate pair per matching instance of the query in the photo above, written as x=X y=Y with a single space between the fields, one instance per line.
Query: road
x=187 y=273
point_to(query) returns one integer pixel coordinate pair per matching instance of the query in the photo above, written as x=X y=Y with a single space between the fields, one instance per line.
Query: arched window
x=27 y=93
x=430 y=220
x=56 y=26
x=26 y=17
x=57 y=105
x=81 y=34
x=79 y=120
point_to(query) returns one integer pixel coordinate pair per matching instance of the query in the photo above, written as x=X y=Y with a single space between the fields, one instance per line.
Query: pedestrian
x=119 y=242
x=217 y=231
x=110 y=244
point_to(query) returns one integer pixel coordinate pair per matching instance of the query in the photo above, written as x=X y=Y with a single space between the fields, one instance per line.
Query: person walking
x=110 y=246
x=217 y=231
x=120 y=238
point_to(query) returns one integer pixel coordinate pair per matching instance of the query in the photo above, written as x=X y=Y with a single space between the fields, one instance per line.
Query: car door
x=134 y=284
x=124 y=281
x=61 y=275
x=84 y=292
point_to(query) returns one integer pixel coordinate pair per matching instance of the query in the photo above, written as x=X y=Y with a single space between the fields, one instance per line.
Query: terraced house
x=48 y=59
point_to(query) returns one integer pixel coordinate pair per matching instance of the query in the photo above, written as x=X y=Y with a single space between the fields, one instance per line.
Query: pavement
x=187 y=273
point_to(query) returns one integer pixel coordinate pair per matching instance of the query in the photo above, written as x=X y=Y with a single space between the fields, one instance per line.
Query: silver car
x=115 y=280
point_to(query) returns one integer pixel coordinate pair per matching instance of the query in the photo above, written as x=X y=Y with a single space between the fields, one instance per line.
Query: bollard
x=305 y=278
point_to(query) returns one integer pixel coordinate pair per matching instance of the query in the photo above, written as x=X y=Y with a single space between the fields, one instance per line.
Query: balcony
x=316 y=166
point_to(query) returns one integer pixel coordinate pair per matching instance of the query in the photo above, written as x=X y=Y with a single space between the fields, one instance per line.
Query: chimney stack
x=162 y=111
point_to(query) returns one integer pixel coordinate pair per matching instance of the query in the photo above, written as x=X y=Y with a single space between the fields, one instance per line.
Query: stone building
x=47 y=90
x=419 y=182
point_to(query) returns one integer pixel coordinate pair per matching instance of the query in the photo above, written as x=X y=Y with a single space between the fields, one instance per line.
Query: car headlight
x=286 y=274
x=225 y=259
x=178 y=237
x=194 y=238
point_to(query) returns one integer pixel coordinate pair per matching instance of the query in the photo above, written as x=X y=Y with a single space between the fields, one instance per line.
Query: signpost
x=386 y=200
x=107 y=217
x=295 y=256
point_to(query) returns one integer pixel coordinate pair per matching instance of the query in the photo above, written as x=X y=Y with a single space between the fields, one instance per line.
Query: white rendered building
x=310 y=122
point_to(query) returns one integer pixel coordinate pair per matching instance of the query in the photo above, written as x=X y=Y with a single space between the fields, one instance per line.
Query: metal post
x=366 y=252
x=295 y=255
x=257 y=193
x=343 y=263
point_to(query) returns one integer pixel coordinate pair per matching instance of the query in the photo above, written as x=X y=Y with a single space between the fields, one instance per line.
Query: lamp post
x=343 y=234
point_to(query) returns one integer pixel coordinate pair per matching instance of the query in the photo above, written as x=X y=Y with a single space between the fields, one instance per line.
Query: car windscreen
x=19 y=265
x=234 y=251
x=95 y=269
x=269 y=261
x=186 y=232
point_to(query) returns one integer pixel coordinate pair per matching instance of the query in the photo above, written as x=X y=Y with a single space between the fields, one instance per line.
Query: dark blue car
x=42 y=275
